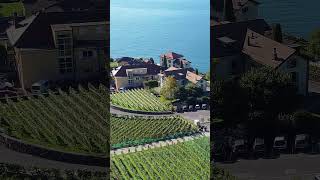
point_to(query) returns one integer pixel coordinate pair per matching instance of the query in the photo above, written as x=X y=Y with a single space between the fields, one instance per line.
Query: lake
x=148 y=28
x=297 y=17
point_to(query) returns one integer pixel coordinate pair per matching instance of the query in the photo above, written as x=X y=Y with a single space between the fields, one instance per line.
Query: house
x=60 y=46
x=123 y=61
x=34 y=6
x=183 y=77
x=237 y=47
x=132 y=76
x=174 y=60
x=243 y=9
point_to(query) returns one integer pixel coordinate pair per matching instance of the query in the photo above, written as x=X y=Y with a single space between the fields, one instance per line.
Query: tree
x=277 y=32
x=151 y=60
x=207 y=76
x=197 y=71
x=314 y=44
x=164 y=62
x=269 y=93
x=228 y=11
x=151 y=84
x=169 y=88
x=3 y=55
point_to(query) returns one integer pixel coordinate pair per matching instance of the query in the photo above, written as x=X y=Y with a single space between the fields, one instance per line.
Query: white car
x=280 y=143
x=39 y=87
x=258 y=145
x=301 y=141
x=5 y=85
x=197 y=107
x=239 y=146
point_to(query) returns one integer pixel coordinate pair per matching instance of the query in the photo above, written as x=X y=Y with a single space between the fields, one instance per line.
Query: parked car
x=204 y=106
x=258 y=145
x=197 y=107
x=112 y=89
x=122 y=89
x=239 y=146
x=40 y=87
x=5 y=85
x=280 y=143
x=301 y=141
x=190 y=107
x=185 y=108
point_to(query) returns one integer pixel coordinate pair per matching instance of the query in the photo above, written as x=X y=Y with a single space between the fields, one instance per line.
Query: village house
x=237 y=47
x=243 y=9
x=58 y=46
x=133 y=76
x=174 y=60
x=183 y=77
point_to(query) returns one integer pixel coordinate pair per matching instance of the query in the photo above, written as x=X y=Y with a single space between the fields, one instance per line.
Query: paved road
x=287 y=167
x=13 y=157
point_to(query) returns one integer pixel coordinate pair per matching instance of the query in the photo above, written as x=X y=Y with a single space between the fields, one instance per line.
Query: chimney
x=275 y=55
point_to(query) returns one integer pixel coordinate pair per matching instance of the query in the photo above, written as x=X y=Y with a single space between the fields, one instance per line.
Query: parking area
x=286 y=167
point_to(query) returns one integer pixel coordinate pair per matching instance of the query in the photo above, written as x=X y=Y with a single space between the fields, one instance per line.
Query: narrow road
x=26 y=160
x=286 y=167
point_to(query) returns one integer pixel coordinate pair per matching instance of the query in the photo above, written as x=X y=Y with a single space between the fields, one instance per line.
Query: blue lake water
x=298 y=17
x=148 y=28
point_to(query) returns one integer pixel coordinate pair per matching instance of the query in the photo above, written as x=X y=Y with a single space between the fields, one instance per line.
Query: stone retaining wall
x=139 y=112
x=51 y=154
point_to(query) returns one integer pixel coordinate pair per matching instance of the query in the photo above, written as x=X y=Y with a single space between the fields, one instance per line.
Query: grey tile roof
x=36 y=32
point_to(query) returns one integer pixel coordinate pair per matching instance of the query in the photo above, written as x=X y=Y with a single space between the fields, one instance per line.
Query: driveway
x=286 y=167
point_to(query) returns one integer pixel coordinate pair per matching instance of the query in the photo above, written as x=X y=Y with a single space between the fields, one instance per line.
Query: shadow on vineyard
x=13 y=172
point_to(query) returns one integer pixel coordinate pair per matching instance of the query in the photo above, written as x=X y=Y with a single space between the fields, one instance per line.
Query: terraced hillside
x=139 y=130
x=140 y=100
x=75 y=122
x=187 y=160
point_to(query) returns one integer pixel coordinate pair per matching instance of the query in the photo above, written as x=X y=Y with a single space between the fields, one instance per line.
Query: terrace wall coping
x=139 y=112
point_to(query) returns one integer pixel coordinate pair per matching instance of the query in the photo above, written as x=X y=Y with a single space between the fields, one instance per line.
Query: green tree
x=277 y=33
x=3 y=55
x=228 y=11
x=169 y=88
x=165 y=62
x=151 y=84
x=314 y=44
x=269 y=93
x=197 y=71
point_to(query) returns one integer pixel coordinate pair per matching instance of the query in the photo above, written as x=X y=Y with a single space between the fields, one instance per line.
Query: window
x=64 y=46
x=87 y=54
x=292 y=63
x=130 y=81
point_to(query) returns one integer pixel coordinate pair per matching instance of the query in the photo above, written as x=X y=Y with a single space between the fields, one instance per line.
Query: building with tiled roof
x=237 y=47
x=174 y=60
x=243 y=9
x=60 y=46
x=132 y=76
x=183 y=76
